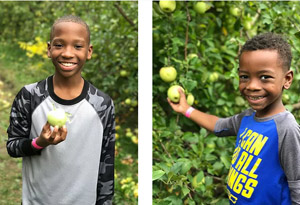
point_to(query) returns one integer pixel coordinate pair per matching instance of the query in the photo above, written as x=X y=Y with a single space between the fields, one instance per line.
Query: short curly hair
x=70 y=18
x=270 y=41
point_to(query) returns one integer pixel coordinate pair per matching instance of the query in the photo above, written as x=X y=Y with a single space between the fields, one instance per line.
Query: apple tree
x=201 y=40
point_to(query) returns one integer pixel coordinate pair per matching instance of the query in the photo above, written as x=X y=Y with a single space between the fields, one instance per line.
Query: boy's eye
x=265 y=77
x=243 y=77
x=78 y=46
x=57 y=45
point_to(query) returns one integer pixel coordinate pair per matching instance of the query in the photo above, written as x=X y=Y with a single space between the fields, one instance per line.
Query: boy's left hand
x=48 y=137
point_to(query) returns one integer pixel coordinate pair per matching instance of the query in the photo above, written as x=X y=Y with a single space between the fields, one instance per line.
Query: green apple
x=190 y=99
x=123 y=73
x=57 y=117
x=200 y=7
x=247 y=24
x=173 y=93
x=167 y=6
x=129 y=134
x=235 y=11
x=168 y=74
x=128 y=101
x=192 y=55
x=213 y=77
x=285 y=98
x=198 y=180
x=134 y=103
x=211 y=145
x=134 y=139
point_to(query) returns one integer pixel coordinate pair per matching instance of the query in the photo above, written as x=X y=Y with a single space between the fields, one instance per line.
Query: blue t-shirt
x=261 y=169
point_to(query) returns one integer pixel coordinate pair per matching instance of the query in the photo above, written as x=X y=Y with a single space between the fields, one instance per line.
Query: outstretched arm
x=204 y=120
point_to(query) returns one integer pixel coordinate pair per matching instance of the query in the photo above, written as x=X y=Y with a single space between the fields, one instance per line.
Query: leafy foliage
x=25 y=30
x=190 y=165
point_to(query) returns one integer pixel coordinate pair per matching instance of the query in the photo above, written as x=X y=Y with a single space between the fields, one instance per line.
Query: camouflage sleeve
x=105 y=187
x=19 y=143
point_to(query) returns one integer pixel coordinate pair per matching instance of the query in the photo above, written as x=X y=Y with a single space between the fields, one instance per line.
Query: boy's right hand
x=181 y=106
x=48 y=137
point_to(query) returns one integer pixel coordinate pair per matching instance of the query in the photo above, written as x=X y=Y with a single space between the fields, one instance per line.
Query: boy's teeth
x=255 y=98
x=67 y=64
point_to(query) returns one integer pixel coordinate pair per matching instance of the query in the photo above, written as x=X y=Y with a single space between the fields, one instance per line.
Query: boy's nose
x=67 y=52
x=253 y=84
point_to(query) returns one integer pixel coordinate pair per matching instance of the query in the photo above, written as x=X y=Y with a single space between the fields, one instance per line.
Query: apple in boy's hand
x=167 y=6
x=168 y=74
x=173 y=93
x=57 y=117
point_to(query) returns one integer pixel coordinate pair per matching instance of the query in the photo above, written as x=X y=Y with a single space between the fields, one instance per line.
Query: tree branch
x=125 y=16
x=188 y=16
x=166 y=151
x=296 y=106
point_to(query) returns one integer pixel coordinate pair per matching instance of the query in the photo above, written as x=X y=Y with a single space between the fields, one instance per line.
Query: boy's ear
x=48 y=49
x=288 y=79
x=90 y=52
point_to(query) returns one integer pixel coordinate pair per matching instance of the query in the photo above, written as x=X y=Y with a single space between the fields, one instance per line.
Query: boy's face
x=262 y=80
x=69 y=48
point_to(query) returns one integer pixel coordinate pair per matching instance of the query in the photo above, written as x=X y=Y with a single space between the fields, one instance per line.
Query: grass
x=16 y=70
x=10 y=168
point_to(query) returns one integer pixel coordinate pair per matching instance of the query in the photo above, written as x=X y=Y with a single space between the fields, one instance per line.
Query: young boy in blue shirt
x=73 y=164
x=265 y=167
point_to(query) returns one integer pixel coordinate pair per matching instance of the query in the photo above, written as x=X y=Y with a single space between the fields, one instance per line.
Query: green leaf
x=188 y=84
x=190 y=137
x=297 y=35
x=185 y=190
x=186 y=166
x=176 y=167
x=225 y=161
x=157 y=174
x=173 y=200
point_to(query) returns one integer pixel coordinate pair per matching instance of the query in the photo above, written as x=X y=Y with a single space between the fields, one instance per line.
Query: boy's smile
x=69 y=48
x=262 y=80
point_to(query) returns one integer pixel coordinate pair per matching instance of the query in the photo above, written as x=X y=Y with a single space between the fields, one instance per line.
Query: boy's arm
x=19 y=143
x=290 y=157
x=105 y=187
x=220 y=126
x=204 y=120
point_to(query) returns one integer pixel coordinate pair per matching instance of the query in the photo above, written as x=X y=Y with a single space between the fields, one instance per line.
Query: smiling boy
x=73 y=164
x=265 y=167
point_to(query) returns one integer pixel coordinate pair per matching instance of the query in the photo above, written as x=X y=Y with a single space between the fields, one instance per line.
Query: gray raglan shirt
x=77 y=171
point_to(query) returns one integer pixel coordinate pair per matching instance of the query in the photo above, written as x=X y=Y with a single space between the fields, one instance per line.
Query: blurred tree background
x=25 y=29
x=201 y=40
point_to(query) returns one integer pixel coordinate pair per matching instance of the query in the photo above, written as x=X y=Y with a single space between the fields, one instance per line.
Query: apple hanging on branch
x=201 y=7
x=190 y=99
x=168 y=74
x=167 y=6
x=235 y=11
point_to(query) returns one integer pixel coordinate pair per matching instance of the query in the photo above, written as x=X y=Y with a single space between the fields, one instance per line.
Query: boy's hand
x=48 y=137
x=181 y=106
